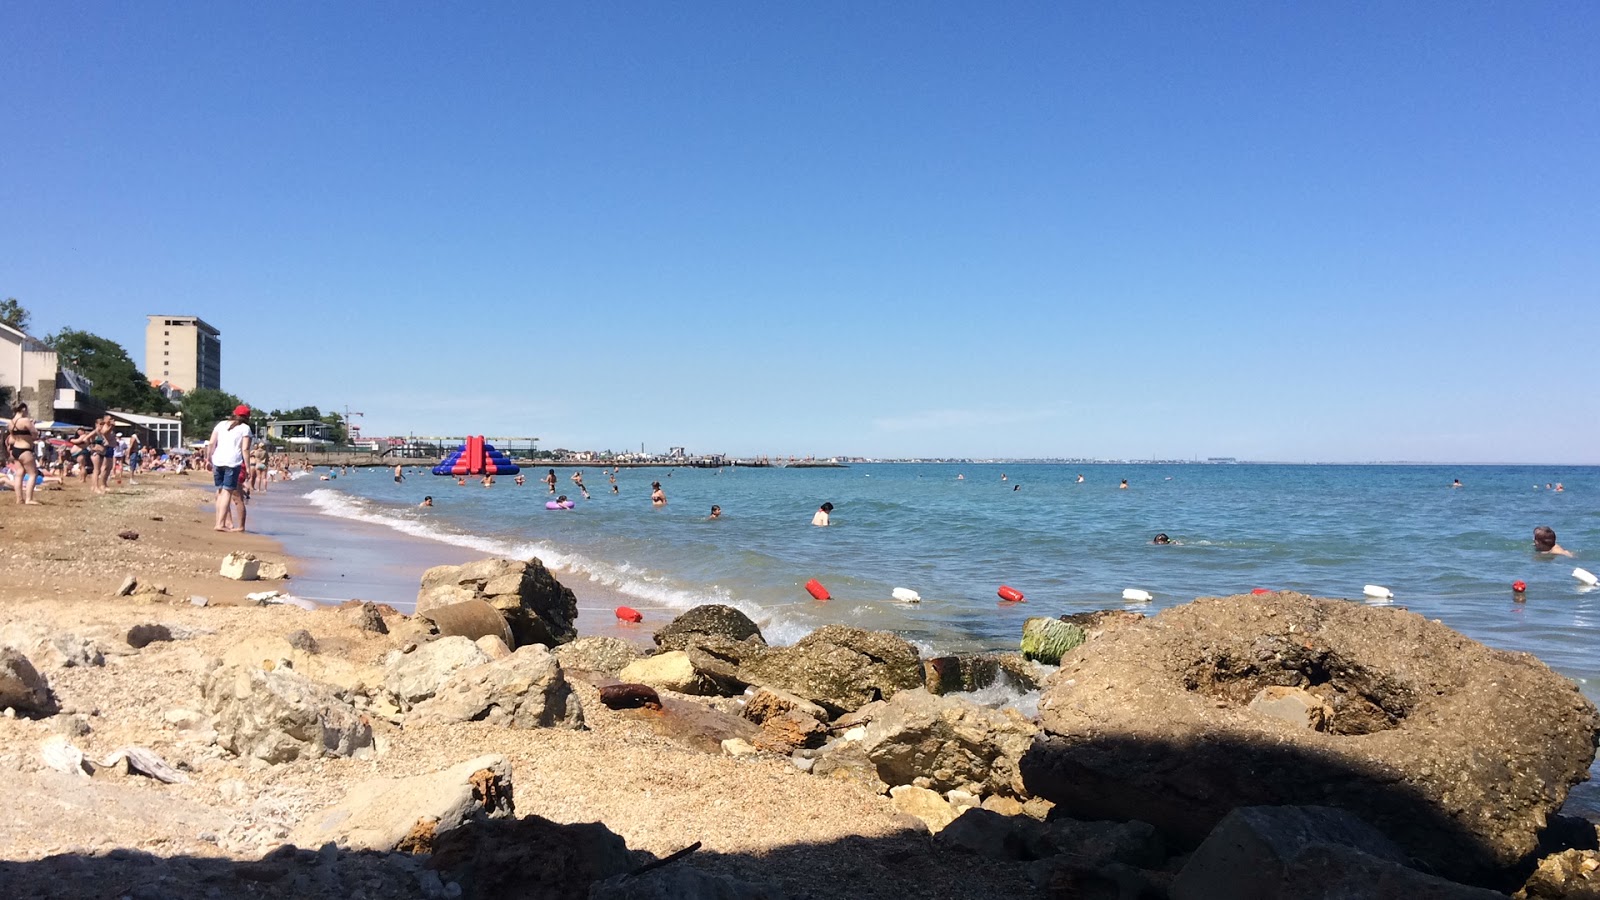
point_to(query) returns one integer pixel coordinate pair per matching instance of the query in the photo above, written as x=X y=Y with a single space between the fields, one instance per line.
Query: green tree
x=12 y=313
x=340 y=435
x=203 y=408
x=118 y=383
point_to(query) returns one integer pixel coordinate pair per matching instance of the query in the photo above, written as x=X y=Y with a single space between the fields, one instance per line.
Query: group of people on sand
x=95 y=454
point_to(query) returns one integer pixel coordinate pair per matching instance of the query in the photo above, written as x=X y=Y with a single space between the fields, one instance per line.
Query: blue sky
x=1265 y=230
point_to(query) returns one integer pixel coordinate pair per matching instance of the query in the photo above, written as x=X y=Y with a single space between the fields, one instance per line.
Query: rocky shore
x=172 y=732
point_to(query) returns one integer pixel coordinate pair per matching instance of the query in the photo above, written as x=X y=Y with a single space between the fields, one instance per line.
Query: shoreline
x=67 y=833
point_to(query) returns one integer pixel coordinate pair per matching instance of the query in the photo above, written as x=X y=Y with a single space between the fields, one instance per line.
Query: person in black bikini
x=22 y=438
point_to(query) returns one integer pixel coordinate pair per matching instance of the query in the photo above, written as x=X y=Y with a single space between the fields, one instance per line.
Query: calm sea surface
x=1447 y=553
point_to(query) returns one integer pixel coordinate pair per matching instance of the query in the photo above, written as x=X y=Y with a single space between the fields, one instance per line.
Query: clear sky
x=1332 y=231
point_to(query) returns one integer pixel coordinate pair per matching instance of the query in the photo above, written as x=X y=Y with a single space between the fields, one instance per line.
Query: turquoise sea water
x=1449 y=554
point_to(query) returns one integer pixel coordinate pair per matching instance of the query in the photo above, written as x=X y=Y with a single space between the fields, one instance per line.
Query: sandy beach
x=761 y=820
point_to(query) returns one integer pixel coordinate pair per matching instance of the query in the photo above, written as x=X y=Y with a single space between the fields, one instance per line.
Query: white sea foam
x=623 y=578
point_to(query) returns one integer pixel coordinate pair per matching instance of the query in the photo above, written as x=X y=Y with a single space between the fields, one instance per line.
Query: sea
x=955 y=533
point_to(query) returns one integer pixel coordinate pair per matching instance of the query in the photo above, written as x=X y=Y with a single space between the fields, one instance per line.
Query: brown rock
x=630 y=696
x=839 y=668
x=1456 y=751
x=790 y=731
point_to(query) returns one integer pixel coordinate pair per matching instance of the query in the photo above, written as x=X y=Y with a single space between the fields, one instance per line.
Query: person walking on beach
x=23 y=442
x=821 y=517
x=1544 y=541
x=228 y=449
x=657 y=498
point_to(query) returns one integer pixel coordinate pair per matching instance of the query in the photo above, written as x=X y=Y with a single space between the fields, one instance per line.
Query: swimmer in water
x=821 y=517
x=716 y=512
x=658 y=498
x=1080 y=478
x=1123 y=486
x=426 y=502
x=550 y=480
x=1456 y=483
x=399 y=474
x=1544 y=541
x=1162 y=539
x=520 y=480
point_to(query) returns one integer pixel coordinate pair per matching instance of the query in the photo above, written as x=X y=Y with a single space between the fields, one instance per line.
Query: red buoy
x=1519 y=585
x=1009 y=594
x=1260 y=591
x=629 y=614
x=815 y=589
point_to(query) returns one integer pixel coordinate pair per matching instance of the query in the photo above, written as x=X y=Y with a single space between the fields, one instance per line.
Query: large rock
x=1047 y=640
x=279 y=716
x=839 y=668
x=528 y=857
x=537 y=607
x=1247 y=853
x=416 y=676
x=1568 y=875
x=934 y=811
x=1456 y=751
x=946 y=743
x=598 y=655
x=381 y=813
x=670 y=671
x=523 y=690
x=22 y=688
x=713 y=620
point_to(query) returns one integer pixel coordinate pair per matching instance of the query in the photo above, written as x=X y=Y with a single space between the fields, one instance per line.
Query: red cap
x=1519 y=585
x=242 y=411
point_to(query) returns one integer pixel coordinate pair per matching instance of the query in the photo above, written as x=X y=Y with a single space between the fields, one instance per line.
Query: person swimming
x=1162 y=539
x=1544 y=541
x=1456 y=483
x=716 y=512
x=426 y=502
x=1123 y=486
x=1080 y=478
x=821 y=518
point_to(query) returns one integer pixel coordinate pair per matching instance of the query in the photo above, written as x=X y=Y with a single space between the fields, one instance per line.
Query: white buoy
x=906 y=595
x=1585 y=576
x=1134 y=595
x=1377 y=592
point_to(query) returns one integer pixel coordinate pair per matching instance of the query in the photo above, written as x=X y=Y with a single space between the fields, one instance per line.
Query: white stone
x=241 y=567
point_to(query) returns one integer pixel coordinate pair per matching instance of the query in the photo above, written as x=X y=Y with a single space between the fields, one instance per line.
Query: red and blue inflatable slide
x=476 y=458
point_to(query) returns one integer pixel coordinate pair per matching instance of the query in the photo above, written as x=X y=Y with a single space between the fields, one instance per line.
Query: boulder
x=847 y=762
x=718 y=659
x=629 y=696
x=380 y=813
x=934 y=811
x=947 y=743
x=365 y=615
x=712 y=619
x=791 y=731
x=271 y=571
x=1334 y=872
x=22 y=688
x=1248 y=852
x=279 y=716
x=1047 y=640
x=839 y=668
x=670 y=671
x=528 y=857
x=992 y=835
x=768 y=702
x=597 y=655
x=241 y=567
x=416 y=676
x=72 y=650
x=1100 y=621
x=537 y=608
x=526 y=689
x=1456 y=751
x=1568 y=875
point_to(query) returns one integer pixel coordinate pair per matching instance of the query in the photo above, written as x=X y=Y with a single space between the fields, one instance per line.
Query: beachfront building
x=183 y=351
x=28 y=370
x=161 y=432
x=299 y=431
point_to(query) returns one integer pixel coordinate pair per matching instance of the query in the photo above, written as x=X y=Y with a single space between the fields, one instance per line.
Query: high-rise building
x=183 y=351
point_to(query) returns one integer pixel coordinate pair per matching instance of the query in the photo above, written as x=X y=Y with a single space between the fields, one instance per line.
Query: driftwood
x=664 y=861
